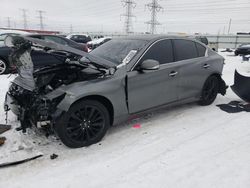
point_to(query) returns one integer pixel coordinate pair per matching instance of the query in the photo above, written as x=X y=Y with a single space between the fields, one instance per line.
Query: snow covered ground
x=186 y=146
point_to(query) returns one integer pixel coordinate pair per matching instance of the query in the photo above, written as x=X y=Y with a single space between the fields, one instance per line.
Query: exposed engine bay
x=27 y=93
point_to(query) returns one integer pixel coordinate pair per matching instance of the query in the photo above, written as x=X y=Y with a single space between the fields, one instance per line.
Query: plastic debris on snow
x=137 y=126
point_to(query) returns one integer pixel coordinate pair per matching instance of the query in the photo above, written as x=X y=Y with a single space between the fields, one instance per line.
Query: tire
x=236 y=53
x=85 y=123
x=3 y=67
x=209 y=91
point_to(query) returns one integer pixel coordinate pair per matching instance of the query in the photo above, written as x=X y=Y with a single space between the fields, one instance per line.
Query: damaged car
x=82 y=97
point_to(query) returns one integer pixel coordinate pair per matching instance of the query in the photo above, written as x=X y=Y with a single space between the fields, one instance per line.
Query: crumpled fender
x=241 y=86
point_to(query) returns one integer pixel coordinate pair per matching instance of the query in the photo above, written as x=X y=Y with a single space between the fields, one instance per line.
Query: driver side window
x=161 y=51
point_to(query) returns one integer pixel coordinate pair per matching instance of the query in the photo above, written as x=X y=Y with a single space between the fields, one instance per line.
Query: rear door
x=153 y=88
x=193 y=69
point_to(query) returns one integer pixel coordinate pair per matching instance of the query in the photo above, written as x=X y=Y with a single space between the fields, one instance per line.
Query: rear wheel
x=209 y=91
x=84 y=124
x=3 y=67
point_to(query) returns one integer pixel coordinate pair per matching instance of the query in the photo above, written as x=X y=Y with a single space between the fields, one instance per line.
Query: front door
x=153 y=88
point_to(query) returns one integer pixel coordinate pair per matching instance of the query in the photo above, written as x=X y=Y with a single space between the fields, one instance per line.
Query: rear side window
x=201 y=50
x=161 y=51
x=184 y=49
x=55 y=39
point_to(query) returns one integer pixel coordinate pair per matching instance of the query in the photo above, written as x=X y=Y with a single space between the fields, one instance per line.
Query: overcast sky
x=188 y=16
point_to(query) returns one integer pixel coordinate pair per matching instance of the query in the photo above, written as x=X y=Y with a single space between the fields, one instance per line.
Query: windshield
x=117 y=49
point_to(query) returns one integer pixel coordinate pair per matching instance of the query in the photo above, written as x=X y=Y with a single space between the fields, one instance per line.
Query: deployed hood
x=59 y=47
x=21 y=58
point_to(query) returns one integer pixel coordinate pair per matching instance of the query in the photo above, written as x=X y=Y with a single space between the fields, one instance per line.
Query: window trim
x=175 y=61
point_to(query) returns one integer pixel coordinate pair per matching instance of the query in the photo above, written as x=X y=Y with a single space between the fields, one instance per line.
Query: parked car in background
x=5 y=51
x=98 y=42
x=204 y=40
x=123 y=77
x=243 y=49
x=40 y=58
x=79 y=38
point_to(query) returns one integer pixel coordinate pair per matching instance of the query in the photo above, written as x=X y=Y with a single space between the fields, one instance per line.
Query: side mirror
x=149 y=65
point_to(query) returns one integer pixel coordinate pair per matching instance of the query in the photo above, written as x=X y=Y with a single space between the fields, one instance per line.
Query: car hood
x=21 y=58
x=93 y=59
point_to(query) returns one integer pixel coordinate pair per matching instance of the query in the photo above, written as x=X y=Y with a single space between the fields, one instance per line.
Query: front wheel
x=209 y=91
x=85 y=123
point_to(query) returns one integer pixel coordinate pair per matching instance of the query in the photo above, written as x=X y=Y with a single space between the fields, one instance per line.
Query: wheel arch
x=104 y=100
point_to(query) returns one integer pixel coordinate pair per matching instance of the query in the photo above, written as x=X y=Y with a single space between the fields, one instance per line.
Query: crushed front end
x=32 y=108
x=35 y=93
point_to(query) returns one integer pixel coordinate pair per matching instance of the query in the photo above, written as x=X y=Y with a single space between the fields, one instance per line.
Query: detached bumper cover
x=241 y=86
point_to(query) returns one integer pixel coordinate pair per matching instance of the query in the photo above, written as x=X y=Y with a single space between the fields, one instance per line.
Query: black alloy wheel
x=209 y=91
x=84 y=124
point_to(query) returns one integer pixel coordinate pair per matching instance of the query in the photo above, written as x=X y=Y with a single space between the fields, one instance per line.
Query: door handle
x=205 y=66
x=173 y=73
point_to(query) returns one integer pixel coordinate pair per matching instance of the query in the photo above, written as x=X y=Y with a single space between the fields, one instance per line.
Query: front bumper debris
x=241 y=86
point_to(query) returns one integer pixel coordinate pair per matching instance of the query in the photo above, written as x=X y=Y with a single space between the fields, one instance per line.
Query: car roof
x=78 y=34
x=35 y=34
x=148 y=37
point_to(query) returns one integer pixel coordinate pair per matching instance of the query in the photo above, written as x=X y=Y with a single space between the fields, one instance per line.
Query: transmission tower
x=40 y=12
x=25 y=25
x=154 y=8
x=129 y=5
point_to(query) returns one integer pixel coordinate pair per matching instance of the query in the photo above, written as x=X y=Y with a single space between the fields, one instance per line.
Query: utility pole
x=71 y=28
x=229 y=26
x=8 y=22
x=129 y=5
x=41 y=12
x=153 y=7
x=25 y=25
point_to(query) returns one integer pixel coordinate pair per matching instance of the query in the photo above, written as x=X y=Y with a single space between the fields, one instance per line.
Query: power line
x=153 y=7
x=41 y=12
x=25 y=24
x=129 y=4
